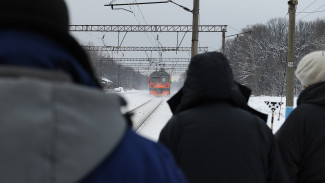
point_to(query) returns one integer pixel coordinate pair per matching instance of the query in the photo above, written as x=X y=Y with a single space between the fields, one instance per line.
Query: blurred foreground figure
x=302 y=136
x=56 y=123
x=214 y=135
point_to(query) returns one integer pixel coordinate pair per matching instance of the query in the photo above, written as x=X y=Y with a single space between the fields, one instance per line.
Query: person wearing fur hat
x=302 y=136
x=57 y=125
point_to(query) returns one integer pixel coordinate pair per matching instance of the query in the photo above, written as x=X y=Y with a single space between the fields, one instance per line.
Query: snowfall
x=154 y=123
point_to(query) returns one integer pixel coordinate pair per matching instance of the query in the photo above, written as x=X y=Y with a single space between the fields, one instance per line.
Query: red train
x=159 y=83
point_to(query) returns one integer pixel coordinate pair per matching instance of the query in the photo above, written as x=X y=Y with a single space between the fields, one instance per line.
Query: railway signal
x=273 y=106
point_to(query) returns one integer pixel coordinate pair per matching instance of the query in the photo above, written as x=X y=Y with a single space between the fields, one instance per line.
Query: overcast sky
x=237 y=14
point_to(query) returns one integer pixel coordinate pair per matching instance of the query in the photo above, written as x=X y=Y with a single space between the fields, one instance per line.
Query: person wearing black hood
x=301 y=138
x=214 y=135
x=57 y=125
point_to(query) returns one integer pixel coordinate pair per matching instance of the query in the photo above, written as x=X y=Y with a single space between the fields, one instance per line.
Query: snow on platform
x=158 y=120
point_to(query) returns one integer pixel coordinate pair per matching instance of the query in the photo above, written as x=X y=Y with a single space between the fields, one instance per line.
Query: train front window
x=154 y=79
x=164 y=79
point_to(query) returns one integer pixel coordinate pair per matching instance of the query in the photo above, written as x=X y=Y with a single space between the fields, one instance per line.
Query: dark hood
x=33 y=50
x=210 y=79
x=313 y=94
x=49 y=18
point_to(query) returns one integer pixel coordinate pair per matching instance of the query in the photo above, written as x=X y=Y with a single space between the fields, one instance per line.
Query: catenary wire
x=314 y=11
x=307 y=7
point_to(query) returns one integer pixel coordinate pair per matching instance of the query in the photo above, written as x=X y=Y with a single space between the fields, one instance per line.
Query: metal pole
x=272 y=119
x=101 y=69
x=118 y=75
x=195 y=31
x=291 y=56
x=223 y=40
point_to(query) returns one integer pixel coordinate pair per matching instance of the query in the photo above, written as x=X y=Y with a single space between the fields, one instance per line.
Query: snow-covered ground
x=258 y=103
x=156 y=122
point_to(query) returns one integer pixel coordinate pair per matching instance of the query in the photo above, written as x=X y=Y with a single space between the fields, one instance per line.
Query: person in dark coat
x=213 y=134
x=57 y=125
x=301 y=138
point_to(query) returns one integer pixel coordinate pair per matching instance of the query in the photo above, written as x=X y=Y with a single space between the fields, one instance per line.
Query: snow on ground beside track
x=157 y=121
x=258 y=103
x=142 y=113
x=151 y=129
x=135 y=98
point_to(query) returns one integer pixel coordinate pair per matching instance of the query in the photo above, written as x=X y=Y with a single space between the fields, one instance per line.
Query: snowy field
x=156 y=122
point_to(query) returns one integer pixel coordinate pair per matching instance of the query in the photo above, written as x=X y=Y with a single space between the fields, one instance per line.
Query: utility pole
x=223 y=41
x=195 y=32
x=291 y=56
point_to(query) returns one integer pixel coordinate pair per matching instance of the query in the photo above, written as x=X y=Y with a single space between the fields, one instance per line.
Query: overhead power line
x=233 y=28
x=307 y=6
x=144 y=3
x=140 y=11
x=185 y=8
x=127 y=4
x=248 y=32
x=313 y=11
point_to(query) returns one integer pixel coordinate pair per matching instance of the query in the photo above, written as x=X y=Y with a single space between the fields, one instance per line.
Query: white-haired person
x=302 y=136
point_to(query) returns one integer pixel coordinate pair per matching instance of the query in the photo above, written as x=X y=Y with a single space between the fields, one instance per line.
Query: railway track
x=144 y=111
